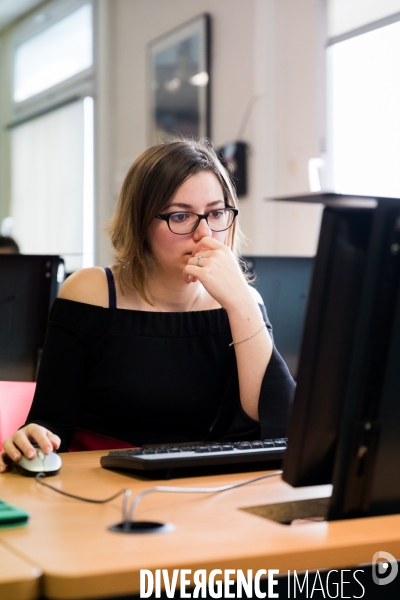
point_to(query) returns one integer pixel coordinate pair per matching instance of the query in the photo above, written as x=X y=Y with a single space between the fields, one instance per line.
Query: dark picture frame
x=179 y=82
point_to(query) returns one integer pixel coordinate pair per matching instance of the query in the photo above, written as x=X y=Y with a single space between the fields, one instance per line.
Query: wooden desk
x=80 y=558
x=19 y=580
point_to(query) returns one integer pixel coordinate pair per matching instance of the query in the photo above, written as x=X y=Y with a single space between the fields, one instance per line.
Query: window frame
x=78 y=86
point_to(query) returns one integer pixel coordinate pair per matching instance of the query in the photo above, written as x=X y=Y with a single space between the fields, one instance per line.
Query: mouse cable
x=127 y=493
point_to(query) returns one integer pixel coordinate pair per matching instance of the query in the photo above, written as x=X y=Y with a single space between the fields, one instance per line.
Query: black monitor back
x=346 y=414
x=284 y=283
x=28 y=287
x=367 y=464
x=327 y=345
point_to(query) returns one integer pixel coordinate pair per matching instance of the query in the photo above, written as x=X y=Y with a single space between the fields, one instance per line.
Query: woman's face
x=200 y=194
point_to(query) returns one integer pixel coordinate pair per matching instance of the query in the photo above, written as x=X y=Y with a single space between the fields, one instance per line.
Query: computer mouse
x=49 y=464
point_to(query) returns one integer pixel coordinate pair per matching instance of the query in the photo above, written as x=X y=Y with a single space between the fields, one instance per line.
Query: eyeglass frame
x=166 y=216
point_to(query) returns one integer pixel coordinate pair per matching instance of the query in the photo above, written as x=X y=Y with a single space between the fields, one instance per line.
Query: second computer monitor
x=284 y=282
x=28 y=286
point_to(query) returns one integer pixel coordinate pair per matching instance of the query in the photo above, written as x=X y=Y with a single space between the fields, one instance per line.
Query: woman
x=171 y=343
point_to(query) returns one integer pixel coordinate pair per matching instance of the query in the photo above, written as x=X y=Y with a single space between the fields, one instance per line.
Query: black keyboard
x=177 y=460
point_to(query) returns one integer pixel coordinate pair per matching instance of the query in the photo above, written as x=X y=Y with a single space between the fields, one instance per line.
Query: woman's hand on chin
x=215 y=266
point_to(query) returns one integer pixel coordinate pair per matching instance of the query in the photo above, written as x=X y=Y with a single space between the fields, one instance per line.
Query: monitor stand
x=312 y=509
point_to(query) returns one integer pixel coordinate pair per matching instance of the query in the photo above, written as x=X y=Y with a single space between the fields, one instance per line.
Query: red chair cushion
x=88 y=440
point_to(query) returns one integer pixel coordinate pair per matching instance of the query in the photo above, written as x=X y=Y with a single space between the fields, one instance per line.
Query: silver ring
x=198 y=261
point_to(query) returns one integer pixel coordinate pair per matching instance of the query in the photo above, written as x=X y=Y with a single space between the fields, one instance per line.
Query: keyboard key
x=257 y=444
x=268 y=444
x=202 y=449
x=215 y=448
x=244 y=446
x=226 y=447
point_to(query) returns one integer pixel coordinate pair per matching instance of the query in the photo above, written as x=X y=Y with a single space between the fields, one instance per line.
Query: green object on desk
x=12 y=516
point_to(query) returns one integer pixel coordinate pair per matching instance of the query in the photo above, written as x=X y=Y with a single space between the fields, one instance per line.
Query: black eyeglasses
x=182 y=223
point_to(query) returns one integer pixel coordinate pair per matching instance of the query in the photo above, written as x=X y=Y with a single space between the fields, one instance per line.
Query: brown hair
x=149 y=184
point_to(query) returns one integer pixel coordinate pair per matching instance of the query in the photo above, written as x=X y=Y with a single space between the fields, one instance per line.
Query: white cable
x=128 y=517
x=125 y=505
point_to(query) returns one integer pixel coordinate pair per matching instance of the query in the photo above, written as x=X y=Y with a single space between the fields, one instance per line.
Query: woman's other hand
x=21 y=443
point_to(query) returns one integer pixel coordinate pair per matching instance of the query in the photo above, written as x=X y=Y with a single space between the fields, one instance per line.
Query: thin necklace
x=190 y=309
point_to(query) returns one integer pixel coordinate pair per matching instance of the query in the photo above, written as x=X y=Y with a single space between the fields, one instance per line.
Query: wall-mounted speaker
x=234 y=157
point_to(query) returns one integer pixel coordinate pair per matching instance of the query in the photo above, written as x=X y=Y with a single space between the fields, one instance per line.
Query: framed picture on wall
x=179 y=82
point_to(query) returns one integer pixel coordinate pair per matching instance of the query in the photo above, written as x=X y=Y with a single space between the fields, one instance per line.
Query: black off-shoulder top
x=149 y=377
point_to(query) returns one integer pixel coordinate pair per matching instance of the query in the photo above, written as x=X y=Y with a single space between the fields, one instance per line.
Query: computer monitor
x=345 y=423
x=284 y=283
x=28 y=286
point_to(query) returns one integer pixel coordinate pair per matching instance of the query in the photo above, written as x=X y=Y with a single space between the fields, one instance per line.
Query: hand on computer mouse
x=49 y=464
x=22 y=444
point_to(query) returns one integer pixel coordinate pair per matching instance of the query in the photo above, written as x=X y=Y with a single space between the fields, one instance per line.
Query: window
x=364 y=112
x=51 y=138
x=54 y=55
x=349 y=15
x=51 y=185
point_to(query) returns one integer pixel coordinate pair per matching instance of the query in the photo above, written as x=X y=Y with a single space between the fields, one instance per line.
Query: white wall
x=300 y=36
x=269 y=49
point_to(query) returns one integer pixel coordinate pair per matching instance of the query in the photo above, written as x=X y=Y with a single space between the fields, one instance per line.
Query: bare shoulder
x=256 y=295
x=88 y=286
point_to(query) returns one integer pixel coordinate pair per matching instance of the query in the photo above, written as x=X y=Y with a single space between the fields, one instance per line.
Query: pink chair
x=15 y=401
